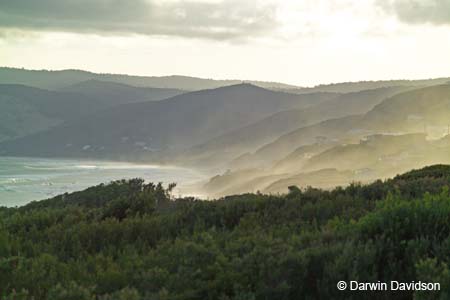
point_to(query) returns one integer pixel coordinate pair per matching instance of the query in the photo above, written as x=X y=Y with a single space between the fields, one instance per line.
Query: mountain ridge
x=56 y=79
x=180 y=121
x=401 y=109
x=253 y=136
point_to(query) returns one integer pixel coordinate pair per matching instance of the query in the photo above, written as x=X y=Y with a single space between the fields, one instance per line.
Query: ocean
x=23 y=180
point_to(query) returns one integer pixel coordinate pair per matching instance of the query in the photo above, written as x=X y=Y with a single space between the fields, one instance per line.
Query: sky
x=301 y=42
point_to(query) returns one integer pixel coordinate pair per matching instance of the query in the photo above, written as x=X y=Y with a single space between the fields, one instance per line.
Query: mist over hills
x=326 y=131
x=419 y=110
x=330 y=165
x=426 y=109
x=249 y=138
x=377 y=156
x=143 y=129
x=255 y=138
x=408 y=130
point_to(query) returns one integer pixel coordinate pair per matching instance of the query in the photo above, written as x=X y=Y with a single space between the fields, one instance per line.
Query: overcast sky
x=302 y=42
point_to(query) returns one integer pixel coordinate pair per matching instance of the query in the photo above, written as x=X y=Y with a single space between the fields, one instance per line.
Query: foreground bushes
x=130 y=240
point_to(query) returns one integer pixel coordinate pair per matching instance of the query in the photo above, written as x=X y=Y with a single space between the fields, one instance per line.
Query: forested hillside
x=25 y=110
x=130 y=240
x=248 y=139
x=142 y=129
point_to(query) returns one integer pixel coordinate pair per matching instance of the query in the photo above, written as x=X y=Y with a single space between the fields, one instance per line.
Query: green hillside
x=25 y=110
x=144 y=129
x=129 y=240
x=248 y=139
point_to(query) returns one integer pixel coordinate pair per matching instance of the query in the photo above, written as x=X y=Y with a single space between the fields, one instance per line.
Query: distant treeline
x=130 y=240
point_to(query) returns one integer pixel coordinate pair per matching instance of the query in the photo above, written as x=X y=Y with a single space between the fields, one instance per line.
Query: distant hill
x=330 y=165
x=392 y=137
x=118 y=93
x=381 y=156
x=327 y=131
x=55 y=80
x=370 y=152
x=426 y=109
x=163 y=126
x=420 y=110
x=249 y=138
x=349 y=87
x=296 y=160
x=25 y=110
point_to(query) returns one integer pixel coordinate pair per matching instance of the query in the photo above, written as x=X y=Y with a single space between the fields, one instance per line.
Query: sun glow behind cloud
x=301 y=42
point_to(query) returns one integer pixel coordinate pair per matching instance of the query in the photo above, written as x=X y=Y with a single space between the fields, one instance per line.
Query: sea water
x=23 y=180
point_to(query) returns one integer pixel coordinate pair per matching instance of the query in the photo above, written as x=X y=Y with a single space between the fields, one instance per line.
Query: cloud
x=419 y=11
x=221 y=20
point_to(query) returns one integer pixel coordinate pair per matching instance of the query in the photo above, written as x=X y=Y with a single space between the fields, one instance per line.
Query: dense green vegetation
x=131 y=240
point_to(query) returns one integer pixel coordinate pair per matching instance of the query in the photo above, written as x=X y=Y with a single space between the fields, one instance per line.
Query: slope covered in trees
x=247 y=139
x=143 y=129
x=25 y=110
x=131 y=240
